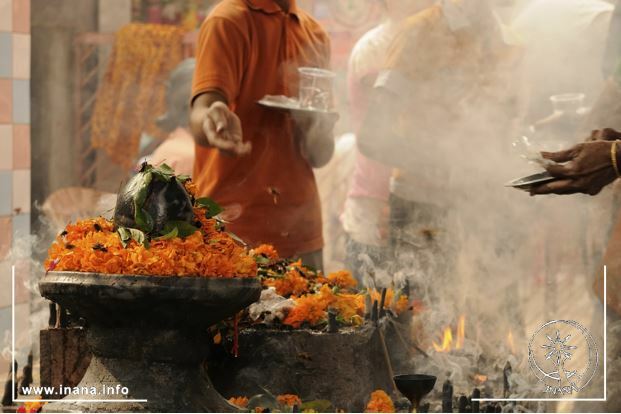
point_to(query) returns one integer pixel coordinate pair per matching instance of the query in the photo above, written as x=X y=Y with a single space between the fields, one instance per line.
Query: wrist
x=615 y=157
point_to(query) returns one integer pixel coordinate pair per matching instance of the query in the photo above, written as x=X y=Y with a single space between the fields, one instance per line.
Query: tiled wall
x=14 y=153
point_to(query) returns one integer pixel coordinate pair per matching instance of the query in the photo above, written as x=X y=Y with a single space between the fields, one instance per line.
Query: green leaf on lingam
x=213 y=208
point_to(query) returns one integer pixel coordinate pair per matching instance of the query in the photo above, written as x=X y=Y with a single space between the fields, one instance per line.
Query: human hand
x=586 y=168
x=223 y=130
x=606 y=134
x=314 y=135
x=314 y=122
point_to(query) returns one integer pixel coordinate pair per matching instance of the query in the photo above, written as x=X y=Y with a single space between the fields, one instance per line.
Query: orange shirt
x=246 y=50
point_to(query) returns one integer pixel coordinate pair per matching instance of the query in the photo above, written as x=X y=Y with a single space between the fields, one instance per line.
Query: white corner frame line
x=604 y=398
x=13 y=354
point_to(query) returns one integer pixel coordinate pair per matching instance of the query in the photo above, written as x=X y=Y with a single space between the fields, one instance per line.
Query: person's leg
x=313 y=260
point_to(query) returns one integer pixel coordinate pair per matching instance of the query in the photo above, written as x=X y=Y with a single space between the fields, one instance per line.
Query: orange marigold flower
x=267 y=250
x=308 y=308
x=289 y=399
x=399 y=306
x=293 y=283
x=312 y=308
x=343 y=279
x=380 y=402
x=239 y=401
x=94 y=246
x=402 y=304
x=191 y=188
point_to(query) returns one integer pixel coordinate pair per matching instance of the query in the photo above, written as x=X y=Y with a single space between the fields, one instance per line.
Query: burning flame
x=510 y=342
x=479 y=379
x=447 y=337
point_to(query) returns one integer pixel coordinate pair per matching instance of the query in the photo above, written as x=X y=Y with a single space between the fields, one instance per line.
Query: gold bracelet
x=613 y=157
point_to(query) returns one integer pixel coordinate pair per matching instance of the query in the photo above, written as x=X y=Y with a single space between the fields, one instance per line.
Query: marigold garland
x=380 y=402
x=131 y=94
x=94 y=246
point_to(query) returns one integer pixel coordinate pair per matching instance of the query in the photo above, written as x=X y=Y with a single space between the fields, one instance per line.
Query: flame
x=510 y=342
x=461 y=332
x=479 y=379
x=447 y=337
x=447 y=341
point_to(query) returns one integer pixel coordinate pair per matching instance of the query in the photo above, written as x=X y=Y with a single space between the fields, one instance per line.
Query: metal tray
x=526 y=183
x=285 y=103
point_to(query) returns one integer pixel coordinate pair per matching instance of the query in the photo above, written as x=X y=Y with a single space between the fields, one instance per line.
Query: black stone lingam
x=149 y=335
x=414 y=387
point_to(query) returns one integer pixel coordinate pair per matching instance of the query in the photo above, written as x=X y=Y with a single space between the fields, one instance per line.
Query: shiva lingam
x=148 y=335
x=414 y=387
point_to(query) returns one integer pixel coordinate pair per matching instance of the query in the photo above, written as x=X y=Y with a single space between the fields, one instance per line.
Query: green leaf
x=236 y=238
x=319 y=406
x=170 y=235
x=183 y=178
x=139 y=237
x=213 y=208
x=124 y=235
x=165 y=168
x=219 y=225
x=184 y=229
x=163 y=172
x=262 y=260
x=142 y=186
x=144 y=221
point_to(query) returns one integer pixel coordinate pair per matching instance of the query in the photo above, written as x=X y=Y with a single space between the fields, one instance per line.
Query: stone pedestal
x=64 y=357
x=342 y=367
x=148 y=338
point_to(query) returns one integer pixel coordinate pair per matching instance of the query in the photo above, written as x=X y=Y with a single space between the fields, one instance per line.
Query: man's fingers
x=610 y=134
x=560 y=170
x=219 y=117
x=555 y=187
x=596 y=134
x=244 y=148
x=239 y=146
x=561 y=156
x=210 y=128
x=214 y=138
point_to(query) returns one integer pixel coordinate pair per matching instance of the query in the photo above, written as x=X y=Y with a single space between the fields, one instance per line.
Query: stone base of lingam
x=343 y=367
x=148 y=339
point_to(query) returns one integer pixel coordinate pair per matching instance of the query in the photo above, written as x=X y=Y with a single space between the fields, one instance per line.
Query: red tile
x=6 y=101
x=21 y=146
x=21 y=16
x=6 y=236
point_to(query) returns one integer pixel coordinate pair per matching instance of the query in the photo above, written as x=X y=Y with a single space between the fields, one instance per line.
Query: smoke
x=507 y=261
x=26 y=256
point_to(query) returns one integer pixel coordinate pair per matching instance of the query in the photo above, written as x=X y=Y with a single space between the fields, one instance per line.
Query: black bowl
x=415 y=386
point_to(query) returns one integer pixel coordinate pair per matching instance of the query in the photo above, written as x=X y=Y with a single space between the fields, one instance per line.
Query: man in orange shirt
x=258 y=162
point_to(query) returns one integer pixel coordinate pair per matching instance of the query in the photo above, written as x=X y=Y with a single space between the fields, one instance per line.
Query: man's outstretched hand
x=585 y=168
x=223 y=130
